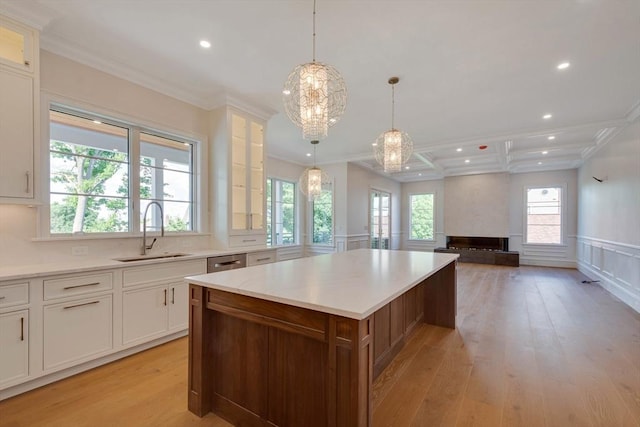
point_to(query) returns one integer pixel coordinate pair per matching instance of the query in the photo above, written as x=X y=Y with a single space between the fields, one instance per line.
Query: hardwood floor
x=534 y=347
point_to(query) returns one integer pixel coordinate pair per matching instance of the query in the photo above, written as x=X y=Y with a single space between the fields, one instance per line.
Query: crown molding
x=634 y=112
x=602 y=138
x=240 y=102
x=25 y=13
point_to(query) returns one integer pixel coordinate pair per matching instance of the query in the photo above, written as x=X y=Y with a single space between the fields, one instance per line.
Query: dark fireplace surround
x=482 y=250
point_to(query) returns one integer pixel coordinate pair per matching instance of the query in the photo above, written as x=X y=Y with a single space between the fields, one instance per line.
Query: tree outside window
x=421 y=219
x=281 y=210
x=322 y=208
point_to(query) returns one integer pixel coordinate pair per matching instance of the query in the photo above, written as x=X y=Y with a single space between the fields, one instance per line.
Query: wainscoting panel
x=615 y=265
x=290 y=252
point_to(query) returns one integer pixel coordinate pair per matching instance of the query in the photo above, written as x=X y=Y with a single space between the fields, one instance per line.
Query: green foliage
x=422 y=217
x=323 y=218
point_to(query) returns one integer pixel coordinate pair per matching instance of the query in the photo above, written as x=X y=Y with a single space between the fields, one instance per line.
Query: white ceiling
x=471 y=72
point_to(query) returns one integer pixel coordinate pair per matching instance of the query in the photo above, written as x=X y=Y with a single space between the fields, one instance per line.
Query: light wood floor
x=534 y=347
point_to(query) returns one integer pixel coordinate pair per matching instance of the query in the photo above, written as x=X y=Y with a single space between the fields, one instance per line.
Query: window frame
x=296 y=207
x=563 y=214
x=135 y=126
x=433 y=216
x=333 y=220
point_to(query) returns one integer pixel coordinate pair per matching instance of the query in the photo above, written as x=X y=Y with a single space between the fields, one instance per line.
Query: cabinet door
x=16 y=134
x=16 y=45
x=256 y=195
x=14 y=346
x=77 y=330
x=239 y=185
x=178 y=306
x=144 y=313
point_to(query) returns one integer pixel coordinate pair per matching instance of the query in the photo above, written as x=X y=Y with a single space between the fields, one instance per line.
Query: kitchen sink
x=146 y=257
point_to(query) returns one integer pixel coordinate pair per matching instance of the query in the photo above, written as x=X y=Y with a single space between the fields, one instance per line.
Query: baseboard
x=611 y=286
x=548 y=262
x=59 y=375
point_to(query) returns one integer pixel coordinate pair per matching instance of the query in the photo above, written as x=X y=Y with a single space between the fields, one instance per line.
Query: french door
x=380 y=219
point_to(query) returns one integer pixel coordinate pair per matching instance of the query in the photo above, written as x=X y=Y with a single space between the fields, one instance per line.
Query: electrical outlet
x=80 y=250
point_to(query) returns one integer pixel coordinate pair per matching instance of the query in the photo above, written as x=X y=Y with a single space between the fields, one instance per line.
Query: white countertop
x=352 y=284
x=81 y=264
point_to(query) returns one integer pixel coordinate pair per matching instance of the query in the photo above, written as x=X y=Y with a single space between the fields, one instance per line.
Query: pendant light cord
x=314 y=31
x=393 y=104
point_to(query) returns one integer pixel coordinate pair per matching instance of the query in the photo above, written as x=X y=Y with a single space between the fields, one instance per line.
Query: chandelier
x=313 y=180
x=315 y=95
x=393 y=148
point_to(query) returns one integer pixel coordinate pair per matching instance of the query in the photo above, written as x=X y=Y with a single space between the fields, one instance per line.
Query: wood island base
x=255 y=362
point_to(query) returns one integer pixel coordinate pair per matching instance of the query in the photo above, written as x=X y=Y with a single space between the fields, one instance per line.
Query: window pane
x=544 y=215
x=421 y=217
x=269 y=201
x=89 y=180
x=281 y=223
x=166 y=176
x=323 y=218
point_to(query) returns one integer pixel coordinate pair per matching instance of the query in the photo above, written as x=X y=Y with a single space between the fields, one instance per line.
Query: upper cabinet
x=19 y=104
x=237 y=166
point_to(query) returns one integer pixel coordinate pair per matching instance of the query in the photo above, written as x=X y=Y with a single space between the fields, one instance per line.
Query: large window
x=544 y=215
x=421 y=216
x=281 y=212
x=322 y=220
x=95 y=188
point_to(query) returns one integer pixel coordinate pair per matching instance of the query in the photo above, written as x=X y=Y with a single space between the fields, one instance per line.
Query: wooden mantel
x=300 y=342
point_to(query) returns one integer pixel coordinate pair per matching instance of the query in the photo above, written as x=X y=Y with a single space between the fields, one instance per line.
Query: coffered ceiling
x=472 y=73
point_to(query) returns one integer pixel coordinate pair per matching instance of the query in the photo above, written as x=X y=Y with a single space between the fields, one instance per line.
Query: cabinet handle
x=1 y=298
x=248 y=240
x=165 y=297
x=222 y=264
x=173 y=295
x=22 y=329
x=28 y=182
x=80 y=286
x=27 y=63
x=80 y=305
x=250 y=221
x=263 y=259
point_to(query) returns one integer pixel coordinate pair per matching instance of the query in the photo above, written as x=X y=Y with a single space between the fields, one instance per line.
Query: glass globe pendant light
x=394 y=147
x=314 y=95
x=313 y=180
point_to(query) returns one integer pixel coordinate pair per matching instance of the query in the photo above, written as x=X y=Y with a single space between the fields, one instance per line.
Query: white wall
x=477 y=205
x=80 y=86
x=563 y=255
x=609 y=216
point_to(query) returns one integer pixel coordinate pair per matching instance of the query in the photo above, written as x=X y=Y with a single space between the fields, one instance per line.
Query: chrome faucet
x=143 y=251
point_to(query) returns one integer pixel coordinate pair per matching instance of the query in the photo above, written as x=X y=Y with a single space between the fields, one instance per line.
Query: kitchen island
x=300 y=342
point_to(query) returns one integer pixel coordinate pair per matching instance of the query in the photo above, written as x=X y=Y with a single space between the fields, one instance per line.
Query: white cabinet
x=261 y=257
x=152 y=312
x=14 y=346
x=77 y=330
x=155 y=300
x=239 y=180
x=19 y=89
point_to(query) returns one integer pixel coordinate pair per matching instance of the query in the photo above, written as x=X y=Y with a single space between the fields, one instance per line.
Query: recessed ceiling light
x=547 y=116
x=458 y=149
x=407 y=167
x=563 y=65
x=539 y=163
x=419 y=174
x=551 y=138
x=205 y=44
x=545 y=152
x=332 y=120
x=286 y=92
x=467 y=161
x=308 y=154
x=98 y=122
x=375 y=144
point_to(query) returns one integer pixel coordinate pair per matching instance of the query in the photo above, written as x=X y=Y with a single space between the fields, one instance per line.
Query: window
x=544 y=215
x=92 y=176
x=421 y=216
x=281 y=212
x=322 y=208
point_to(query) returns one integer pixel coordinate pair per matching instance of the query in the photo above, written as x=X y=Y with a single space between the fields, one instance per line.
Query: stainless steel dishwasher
x=226 y=262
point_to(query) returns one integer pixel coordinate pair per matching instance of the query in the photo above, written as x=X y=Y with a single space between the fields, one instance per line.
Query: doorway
x=380 y=219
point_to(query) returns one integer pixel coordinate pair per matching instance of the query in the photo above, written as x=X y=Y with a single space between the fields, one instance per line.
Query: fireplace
x=482 y=250
x=478 y=243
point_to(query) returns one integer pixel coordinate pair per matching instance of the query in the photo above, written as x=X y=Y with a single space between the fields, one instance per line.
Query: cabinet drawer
x=11 y=295
x=163 y=272
x=262 y=257
x=77 y=330
x=77 y=285
x=248 y=240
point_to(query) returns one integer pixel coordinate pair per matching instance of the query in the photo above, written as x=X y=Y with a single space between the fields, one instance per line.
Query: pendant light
x=393 y=148
x=314 y=95
x=313 y=180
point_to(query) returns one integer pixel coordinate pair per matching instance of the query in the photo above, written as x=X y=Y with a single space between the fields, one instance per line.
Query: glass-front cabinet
x=17 y=45
x=238 y=165
x=247 y=176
